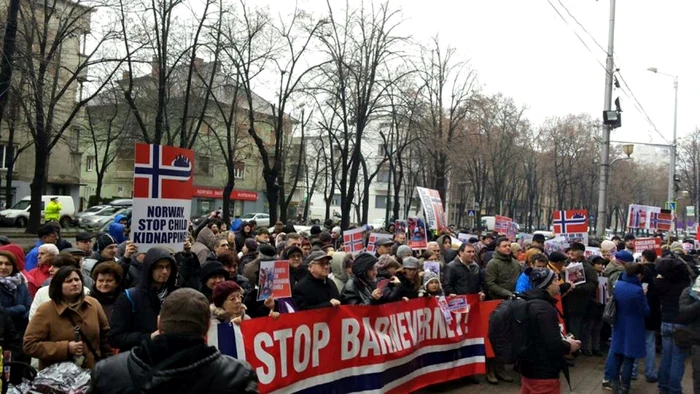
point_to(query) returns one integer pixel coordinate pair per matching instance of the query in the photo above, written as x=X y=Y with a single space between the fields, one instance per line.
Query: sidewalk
x=586 y=378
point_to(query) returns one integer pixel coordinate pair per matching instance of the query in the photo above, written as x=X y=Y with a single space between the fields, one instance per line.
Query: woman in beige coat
x=71 y=327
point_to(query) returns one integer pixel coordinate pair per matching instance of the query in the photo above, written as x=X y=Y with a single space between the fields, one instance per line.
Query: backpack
x=508 y=330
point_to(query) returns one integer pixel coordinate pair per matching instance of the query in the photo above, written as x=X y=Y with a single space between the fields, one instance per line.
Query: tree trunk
x=8 y=50
x=38 y=182
x=273 y=193
x=11 y=166
x=98 y=188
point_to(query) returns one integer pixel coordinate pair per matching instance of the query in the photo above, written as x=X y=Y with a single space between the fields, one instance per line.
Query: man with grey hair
x=178 y=359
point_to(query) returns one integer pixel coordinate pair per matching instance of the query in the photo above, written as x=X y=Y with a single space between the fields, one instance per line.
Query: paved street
x=585 y=378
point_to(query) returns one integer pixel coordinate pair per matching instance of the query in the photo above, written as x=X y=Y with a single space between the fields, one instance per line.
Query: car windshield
x=22 y=205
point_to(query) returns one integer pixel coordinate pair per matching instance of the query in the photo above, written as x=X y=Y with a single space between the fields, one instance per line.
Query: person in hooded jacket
x=362 y=289
x=689 y=313
x=14 y=294
x=116 y=229
x=245 y=232
x=251 y=270
x=544 y=359
x=213 y=273
x=136 y=311
x=16 y=251
x=204 y=247
x=178 y=359
x=341 y=268
x=673 y=276
x=445 y=242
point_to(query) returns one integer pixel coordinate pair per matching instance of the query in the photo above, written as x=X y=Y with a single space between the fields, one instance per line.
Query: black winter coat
x=185 y=365
x=579 y=301
x=135 y=316
x=653 y=321
x=460 y=279
x=689 y=310
x=544 y=358
x=189 y=269
x=675 y=277
x=312 y=293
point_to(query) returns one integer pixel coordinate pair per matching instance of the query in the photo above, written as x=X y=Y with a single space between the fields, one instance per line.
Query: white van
x=18 y=214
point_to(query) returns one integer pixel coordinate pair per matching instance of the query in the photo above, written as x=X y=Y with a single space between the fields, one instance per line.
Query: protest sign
x=591 y=252
x=354 y=240
x=273 y=280
x=398 y=347
x=400 y=227
x=433 y=266
x=373 y=238
x=458 y=304
x=642 y=244
x=563 y=241
x=575 y=274
x=417 y=235
x=501 y=224
x=432 y=206
x=570 y=221
x=162 y=202
x=464 y=237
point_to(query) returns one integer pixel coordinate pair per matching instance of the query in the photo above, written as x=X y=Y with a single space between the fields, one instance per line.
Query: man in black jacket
x=178 y=359
x=315 y=290
x=544 y=359
x=135 y=314
x=463 y=275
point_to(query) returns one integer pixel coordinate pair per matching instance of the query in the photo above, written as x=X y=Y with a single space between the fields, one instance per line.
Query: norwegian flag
x=662 y=221
x=571 y=221
x=162 y=172
x=353 y=240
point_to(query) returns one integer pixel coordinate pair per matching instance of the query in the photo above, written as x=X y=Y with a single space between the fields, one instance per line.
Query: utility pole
x=605 y=144
x=672 y=164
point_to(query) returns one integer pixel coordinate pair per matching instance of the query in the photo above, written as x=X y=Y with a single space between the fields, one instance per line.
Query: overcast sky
x=523 y=49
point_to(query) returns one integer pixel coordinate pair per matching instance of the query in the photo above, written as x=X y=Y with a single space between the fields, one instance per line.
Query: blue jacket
x=632 y=308
x=32 y=258
x=16 y=303
x=116 y=229
x=523 y=284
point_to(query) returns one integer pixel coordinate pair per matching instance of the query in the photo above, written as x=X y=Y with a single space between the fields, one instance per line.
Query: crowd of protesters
x=101 y=295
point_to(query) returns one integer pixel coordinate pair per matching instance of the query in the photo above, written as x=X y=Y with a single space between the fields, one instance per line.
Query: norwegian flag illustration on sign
x=354 y=241
x=163 y=172
x=662 y=220
x=572 y=221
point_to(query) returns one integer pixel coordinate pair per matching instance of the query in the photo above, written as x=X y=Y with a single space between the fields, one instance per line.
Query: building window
x=335 y=201
x=381 y=150
x=202 y=165
x=6 y=156
x=89 y=163
x=239 y=170
x=380 y=202
x=383 y=175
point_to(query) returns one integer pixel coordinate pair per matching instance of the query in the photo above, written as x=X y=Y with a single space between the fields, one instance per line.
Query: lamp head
x=653 y=69
x=628 y=149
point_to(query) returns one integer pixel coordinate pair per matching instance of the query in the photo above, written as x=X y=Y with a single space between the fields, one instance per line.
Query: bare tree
x=52 y=71
x=358 y=45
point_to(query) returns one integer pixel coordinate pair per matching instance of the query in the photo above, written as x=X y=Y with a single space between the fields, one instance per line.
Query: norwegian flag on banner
x=662 y=221
x=163 y=172
x=571 y=221
x=353 y=240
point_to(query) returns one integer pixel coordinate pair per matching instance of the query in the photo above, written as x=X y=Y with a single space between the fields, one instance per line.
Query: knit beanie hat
x=251 y=245
x=429 y=276
x=212 y=268
x=624 y=256
x=541 y=277
x=607 y=245
x=267 y=250
x=103 y=241
x=223 y=290
x=677 y=247
x=403 y=251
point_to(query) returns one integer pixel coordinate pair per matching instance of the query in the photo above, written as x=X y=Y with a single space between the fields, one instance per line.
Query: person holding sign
x=315 y=290
x=362 y=288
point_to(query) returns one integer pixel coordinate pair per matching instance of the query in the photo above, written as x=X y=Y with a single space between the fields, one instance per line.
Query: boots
x=624 y=389
x=491 y=375
x=616 y=388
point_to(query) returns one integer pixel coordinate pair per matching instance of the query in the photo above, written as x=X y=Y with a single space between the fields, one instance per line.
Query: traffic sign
x=471 y=212
x=671 y=205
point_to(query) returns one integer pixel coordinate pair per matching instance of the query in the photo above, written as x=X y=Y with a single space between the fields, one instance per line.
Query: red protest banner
x=642 y=244
x=273 y=280
x=393 y=348
x=502 y=224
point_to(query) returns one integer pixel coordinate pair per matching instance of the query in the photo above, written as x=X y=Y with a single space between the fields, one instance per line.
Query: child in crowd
x=431 y=285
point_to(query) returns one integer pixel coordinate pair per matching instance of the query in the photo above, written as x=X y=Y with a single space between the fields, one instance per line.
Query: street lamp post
x=672 y=164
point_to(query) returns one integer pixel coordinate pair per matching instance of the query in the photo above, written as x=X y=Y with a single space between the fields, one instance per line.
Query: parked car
x=262 y=219
x=18 y=214
x=96 y=220
x=88 y=212
x=122 y=202
x=104 y=227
